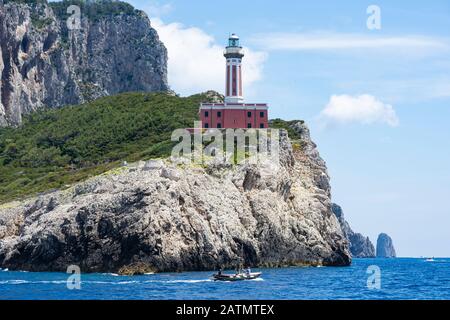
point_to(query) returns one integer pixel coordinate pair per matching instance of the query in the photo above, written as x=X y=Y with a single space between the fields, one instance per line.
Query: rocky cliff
x=44 y=63
x=360 y=246
x=157 y=216
x=385 y=246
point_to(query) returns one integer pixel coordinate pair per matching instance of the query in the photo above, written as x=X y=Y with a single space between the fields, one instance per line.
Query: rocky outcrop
x=360 y=246
x=385 y=246
x=44 y=64
x=159 y=216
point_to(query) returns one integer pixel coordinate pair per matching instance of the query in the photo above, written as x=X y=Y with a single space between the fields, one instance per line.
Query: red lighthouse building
x=234 y=113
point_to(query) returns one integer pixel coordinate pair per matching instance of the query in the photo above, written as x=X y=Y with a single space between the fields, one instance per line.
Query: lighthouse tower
x=233 y=85
x=233 y=112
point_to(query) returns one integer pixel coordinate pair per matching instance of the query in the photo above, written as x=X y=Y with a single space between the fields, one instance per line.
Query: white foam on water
x=50 y=281
x=18 y=281
x=126 y=282
x=14 y=282
x=21 y=282
x=178 y=281
x=189 y=281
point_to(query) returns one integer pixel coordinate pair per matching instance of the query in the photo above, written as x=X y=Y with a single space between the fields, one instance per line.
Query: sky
x=372 y=83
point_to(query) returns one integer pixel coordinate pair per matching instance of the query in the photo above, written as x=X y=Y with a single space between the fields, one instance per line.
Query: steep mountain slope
x=53 y=148
x=160 y=216
x=43 y=63
x=153 y=216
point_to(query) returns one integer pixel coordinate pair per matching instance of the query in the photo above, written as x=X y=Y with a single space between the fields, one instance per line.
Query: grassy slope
x=283 y=124
x=56 y=148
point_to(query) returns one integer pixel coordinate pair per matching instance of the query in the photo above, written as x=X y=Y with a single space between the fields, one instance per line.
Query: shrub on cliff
x=56 y=147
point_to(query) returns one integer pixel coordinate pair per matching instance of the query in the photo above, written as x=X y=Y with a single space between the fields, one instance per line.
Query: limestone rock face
x=360 y=246
x=44 y=64
x=385 y=246
x=167 y=217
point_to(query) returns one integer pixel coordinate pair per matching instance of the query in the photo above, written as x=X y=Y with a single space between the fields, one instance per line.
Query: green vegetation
x=93 y=10
x=54 y=148
x=283 y=124
x=36 y=20
x=40 y=23
x=25 y=1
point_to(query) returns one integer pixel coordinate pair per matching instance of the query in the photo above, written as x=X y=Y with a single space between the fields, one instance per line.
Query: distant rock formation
x=360 y=246
x=385 y=247
x=44 y=64
x=164 y=217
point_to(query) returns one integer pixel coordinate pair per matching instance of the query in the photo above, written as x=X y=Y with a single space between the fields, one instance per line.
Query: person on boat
x=248 y=271
x=220 y=272
x=238 y=270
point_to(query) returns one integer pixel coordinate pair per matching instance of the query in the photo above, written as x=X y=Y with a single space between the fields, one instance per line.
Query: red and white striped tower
x=233 y=84
x=234 y=113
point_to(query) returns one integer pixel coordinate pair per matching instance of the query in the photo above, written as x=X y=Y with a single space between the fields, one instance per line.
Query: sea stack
x=385 y=247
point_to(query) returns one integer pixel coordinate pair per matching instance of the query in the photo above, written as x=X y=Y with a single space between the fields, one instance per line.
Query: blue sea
x=393 y=279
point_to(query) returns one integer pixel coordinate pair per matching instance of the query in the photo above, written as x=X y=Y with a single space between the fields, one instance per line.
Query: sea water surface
x=403 y=278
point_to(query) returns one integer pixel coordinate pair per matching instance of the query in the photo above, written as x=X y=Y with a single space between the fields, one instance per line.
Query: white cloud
x=156 y=9
x=341 y=41
x=196 y=61
x=365 y=109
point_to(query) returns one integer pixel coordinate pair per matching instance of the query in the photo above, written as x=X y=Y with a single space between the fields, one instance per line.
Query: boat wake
x=257 y=279
x=188 y=281
x=18 y=281
x=436 y=261
x=24 y=282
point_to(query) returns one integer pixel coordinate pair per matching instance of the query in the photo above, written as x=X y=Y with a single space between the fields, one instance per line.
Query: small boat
x=239 y=275
x=236 y=277
x=430 y=260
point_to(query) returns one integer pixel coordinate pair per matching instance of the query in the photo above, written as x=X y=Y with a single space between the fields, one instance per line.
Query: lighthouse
x=233 y=84
x=234 y=112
